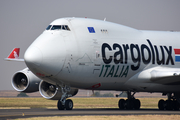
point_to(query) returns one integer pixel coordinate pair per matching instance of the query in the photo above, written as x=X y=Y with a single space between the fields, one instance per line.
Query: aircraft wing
x=166 y=76
x=14 y=55
x=159 y=75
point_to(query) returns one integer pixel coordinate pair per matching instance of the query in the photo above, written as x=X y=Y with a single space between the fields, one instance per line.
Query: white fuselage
x=102 y=55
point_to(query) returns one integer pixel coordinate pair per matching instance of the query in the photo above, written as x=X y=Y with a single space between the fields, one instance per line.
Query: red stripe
x=177 y=51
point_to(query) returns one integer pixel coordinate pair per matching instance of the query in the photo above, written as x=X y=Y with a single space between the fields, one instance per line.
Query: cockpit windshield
x=58 y=27
x=48 y=27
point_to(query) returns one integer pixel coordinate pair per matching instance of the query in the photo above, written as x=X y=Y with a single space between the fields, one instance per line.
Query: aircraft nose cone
x=33 y=56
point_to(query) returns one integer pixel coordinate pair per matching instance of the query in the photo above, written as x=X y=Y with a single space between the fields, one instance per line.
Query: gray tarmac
x=43 y=112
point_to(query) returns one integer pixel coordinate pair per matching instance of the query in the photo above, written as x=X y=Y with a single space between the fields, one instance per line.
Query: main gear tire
x=161 y=104
x=69 y=104
x=137 y=104
x=121 y=104
x=60 y=106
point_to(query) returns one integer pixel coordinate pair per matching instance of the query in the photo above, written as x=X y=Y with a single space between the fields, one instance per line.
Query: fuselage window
x=56 y=27
x=48 y=27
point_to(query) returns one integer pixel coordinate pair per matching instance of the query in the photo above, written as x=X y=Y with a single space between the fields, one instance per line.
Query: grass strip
x=89 y=102
x=117 y=117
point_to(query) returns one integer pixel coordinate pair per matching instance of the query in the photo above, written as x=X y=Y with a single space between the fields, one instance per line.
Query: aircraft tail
x=14 y=55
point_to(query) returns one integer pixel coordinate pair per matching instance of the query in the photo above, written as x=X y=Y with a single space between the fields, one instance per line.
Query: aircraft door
x=96 y=57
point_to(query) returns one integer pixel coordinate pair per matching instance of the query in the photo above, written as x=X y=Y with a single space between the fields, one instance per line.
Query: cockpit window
x=56 y=27
x=63 y=27
x=67 y=28
x=48 y=27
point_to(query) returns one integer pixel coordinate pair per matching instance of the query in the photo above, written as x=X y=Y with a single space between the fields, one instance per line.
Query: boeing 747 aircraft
x=83 y=53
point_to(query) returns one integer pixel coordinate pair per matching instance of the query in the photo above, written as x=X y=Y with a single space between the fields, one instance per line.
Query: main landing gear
x=130 y=103
x=63 y=103
x=172 y=103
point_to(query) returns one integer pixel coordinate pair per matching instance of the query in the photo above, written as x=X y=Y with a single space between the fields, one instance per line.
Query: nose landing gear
x=63 y=103
x=68 y=105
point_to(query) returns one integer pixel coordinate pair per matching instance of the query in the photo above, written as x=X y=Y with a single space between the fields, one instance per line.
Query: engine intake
x=25 y=81
x=52 y=92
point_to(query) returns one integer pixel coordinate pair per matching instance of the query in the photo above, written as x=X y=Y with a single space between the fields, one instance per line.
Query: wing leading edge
x=166 y=76
x=160 y=75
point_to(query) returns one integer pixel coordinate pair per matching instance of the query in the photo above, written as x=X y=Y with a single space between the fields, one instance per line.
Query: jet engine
x=53 y=92
x=25 y=81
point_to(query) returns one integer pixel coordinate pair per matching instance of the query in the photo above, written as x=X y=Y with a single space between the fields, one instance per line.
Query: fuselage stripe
x=177 y=51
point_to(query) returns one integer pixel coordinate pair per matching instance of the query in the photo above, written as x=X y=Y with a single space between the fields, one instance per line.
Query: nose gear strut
x=63 y=103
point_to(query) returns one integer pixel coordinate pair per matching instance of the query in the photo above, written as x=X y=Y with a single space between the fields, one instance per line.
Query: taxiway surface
x=40 y=112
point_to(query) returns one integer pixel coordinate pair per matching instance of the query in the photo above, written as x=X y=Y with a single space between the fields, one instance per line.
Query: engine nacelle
x=25 y=81
x=52 y=92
